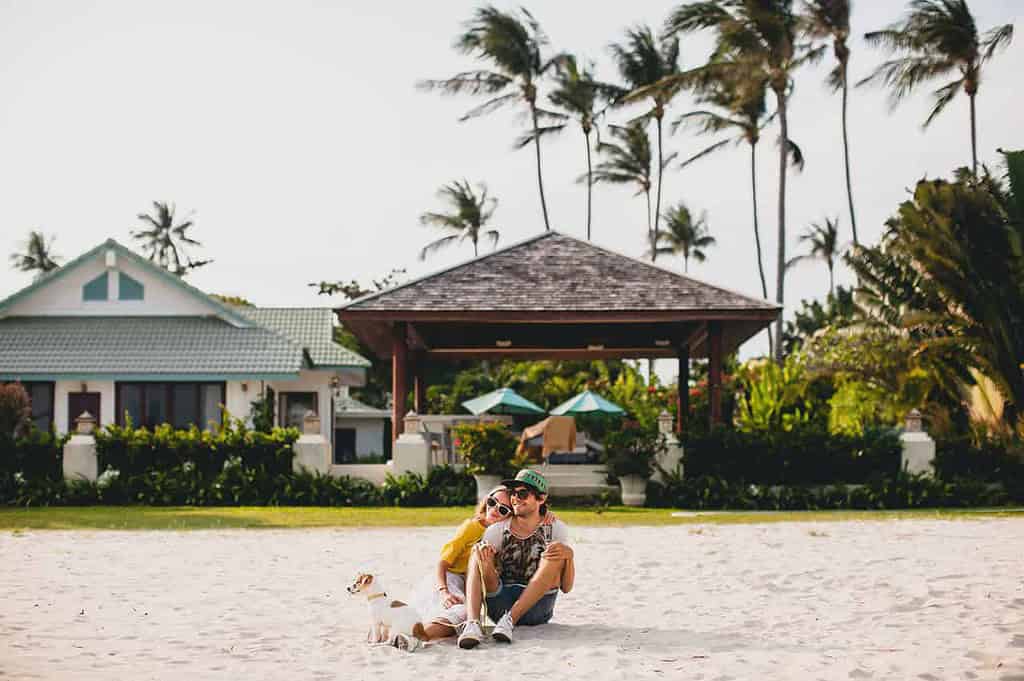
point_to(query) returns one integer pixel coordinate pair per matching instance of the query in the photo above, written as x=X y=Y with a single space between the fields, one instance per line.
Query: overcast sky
x=294 y=135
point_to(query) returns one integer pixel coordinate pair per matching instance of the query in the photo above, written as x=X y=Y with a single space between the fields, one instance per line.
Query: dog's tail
x=419 y=632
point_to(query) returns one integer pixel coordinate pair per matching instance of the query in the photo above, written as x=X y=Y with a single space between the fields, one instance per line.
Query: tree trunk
x=590 y=183
x=831 y=280
x=540 y=180
x=686 y=264
x=757 y=237
x=647 y=192
x=476 y=253
x=780 y=262
x=974 y=140
x=846 y=161
x=657 y=201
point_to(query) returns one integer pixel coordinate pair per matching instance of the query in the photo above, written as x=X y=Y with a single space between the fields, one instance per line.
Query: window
x=345 y=445
x=96 y=289
x=128 y=288
x=294 y=407
x=180 y=404
x=41 y=397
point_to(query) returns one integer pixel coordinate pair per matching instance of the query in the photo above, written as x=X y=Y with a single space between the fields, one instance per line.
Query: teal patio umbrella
x=502 y=401
x=587 y=402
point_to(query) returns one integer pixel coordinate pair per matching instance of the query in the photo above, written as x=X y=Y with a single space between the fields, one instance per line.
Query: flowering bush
x=487 y=448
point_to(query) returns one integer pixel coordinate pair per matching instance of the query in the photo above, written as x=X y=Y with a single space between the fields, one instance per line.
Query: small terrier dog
x=391 y=620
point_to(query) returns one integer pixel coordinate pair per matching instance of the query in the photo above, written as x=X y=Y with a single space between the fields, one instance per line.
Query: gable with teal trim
x=96 y=289
x=128 y=288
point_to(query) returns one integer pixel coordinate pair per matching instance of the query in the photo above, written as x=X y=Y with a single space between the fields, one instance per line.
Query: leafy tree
x=37 y=256
x=629 y=162
x=839 y=310
x=754 y=39
x=512 y=45
x=237 y=301
x=166 y=241
x=685 y=235
x=352 y=289
x=469 y=215
x=646 y=65
x=937 y=38
x=830 y=20
x=823 y=239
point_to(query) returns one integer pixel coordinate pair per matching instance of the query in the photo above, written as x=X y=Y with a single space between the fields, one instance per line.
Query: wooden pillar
x=399 y=384
x=419 y=385
x=683 y=400
x=715 y=371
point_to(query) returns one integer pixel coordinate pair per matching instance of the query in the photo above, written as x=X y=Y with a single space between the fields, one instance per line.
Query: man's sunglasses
x=521 y=492
x=502 y=508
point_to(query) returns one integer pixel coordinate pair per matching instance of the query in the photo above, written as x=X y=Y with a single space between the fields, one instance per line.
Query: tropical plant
x=512 y=45
x=773 y=397
x=487 y=448
x=629 y=162
x=632 y=450
x=166 y=241
x=937 y=38
x=37 y=256
x=830 y=20
x=467 y=220
x=646 y=65
x=577 y=92
x=684 y=235
x=837 y=311
x=753 y=40
x=823 y=240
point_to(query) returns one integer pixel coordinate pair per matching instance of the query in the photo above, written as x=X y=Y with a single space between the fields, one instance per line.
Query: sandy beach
x=909 y=599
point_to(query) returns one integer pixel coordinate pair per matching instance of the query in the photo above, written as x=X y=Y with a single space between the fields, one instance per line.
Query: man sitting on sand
x=524 y=562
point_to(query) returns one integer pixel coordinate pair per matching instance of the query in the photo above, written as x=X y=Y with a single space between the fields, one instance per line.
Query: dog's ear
x=365 y=580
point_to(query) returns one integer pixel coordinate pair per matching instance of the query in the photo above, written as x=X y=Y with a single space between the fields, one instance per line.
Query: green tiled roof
x=142 y=346
x=310 y=327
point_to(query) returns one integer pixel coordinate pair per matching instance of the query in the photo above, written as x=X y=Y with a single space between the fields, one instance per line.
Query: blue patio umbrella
x=587 y=402
x=502 y=401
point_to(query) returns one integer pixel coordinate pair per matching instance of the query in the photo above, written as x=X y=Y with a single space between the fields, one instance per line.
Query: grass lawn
x=191 y=518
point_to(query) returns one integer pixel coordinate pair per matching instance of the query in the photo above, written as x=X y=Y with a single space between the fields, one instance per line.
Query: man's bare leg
x=547 y=577
x=436 y=630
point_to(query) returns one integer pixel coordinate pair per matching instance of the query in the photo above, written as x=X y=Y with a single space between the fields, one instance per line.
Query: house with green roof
x=118 y=336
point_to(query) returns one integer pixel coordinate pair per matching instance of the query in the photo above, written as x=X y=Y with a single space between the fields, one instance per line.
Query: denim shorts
x=502 y=600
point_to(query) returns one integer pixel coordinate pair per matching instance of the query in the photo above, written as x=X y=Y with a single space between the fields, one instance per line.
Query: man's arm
x=559 y=549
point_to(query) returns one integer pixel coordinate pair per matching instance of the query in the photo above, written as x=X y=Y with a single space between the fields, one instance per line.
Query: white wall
x=369 y=434
x=63 y=296
x=60 y=401
x=309 y=380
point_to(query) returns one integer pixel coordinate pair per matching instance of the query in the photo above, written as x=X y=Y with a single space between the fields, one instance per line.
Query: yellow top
x=456 y=551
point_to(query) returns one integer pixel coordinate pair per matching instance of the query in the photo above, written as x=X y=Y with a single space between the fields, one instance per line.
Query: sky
x=292 y=133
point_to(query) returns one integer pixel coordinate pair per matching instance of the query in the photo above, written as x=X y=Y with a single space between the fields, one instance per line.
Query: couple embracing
x=513 y=550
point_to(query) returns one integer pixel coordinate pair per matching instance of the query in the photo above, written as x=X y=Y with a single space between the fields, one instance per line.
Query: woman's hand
x=451 y=599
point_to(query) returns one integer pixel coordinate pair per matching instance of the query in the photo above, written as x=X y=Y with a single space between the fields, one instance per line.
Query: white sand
x=911 y=599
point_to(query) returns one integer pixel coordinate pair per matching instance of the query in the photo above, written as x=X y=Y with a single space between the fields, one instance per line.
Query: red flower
x=651 y=389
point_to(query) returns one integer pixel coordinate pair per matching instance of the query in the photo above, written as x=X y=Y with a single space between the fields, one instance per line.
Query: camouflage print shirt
x=518 y=558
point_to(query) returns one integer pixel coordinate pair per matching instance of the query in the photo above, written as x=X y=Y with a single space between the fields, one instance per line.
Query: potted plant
x=487 y=449
x=630 y=455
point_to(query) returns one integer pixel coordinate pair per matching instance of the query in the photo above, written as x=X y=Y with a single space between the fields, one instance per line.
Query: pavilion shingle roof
x=556 y=272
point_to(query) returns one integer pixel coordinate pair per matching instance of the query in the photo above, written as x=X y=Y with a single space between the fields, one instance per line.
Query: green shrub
x=632 y=450
x=487 y=448
x=443 y=486
x=15 y=409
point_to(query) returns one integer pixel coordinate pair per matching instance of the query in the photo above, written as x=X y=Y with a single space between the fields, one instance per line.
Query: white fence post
x=312 y=451
x=672 y=457
x=411 y=451
x=80 y=451
x=918 y=455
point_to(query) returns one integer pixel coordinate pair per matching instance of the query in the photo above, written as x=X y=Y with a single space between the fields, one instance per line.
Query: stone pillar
x=312 y=450
x=80 y=451
x=918 y=455
x=672 y=458
x=411 y=451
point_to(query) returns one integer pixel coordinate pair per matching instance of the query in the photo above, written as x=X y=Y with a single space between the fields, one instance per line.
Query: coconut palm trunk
x=846 y=162
x=974 y=137
x=540 y=179
x=590 y=180
x=780 y=261
x=757 y=236
x=657 y=201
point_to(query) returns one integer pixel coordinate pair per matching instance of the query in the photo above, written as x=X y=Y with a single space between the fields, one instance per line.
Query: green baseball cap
x=530 y=478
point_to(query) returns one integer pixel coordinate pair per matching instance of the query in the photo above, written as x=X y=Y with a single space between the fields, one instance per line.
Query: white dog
x=390 y=620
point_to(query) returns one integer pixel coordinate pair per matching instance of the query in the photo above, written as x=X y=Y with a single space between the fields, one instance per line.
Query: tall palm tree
x=166 y=241
x=823 y=240
x=937 y=38
x=628 y=162
x=754 y=38
x=469 y=216
x=512 y=46
x=647 y=65
x=830 y=20
x=685 y=235
x=38 y=255
x=578 y=93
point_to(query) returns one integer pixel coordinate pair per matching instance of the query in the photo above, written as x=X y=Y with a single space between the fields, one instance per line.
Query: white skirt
x=430 y=604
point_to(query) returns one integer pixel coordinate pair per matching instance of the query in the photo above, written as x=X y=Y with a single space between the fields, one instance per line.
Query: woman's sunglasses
x=502 y=508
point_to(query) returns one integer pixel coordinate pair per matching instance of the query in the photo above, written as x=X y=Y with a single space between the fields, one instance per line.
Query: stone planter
x=484 y=484
x=634 y=489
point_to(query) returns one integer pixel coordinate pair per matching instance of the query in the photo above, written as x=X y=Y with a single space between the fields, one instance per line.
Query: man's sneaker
x=503 y=629
x=471 y=635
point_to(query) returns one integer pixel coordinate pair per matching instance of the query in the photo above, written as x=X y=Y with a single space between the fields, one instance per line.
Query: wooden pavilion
x=553 y=297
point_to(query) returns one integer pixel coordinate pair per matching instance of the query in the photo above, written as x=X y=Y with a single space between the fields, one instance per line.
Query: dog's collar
x=380 y=594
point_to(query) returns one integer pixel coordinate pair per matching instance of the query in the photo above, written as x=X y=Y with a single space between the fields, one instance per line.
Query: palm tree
x=629 y=162
x=684 y=235
x=938 y=37
x=38 y=255
x=647 y=66
x=823 y=240
x=577 y=92
x=754 y=39
x=512 y=45
x=830 y=19
x=166 y=241
x=470 y=214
